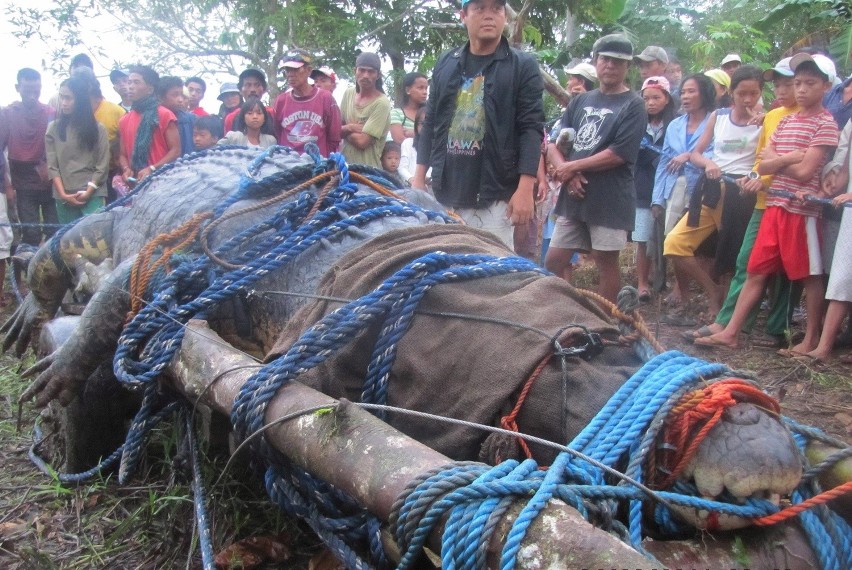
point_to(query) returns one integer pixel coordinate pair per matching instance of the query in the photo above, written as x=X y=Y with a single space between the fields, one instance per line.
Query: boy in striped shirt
x=788 y=238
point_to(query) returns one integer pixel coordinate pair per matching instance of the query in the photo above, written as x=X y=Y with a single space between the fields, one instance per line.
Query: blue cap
x=466 y=2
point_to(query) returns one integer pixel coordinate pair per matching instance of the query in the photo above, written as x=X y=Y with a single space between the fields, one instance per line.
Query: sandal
x=711 y=342
x=690 y=336
x=644 y=296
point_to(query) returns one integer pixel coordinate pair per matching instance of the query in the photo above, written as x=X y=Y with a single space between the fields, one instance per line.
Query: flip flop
x=644 y=296
x=808 y=360
x=710 y=342
x=690 y=336
x=790 y=353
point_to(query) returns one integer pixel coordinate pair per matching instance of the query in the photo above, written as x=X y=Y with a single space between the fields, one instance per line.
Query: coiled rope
x=473 y=495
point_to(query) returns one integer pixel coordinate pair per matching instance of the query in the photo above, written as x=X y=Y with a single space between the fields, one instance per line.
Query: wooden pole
x=373 y=463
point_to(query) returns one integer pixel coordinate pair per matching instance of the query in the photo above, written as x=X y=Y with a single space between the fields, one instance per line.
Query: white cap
x=781 y=68
x=730 y=58
x=824 y=64
x=586 y=70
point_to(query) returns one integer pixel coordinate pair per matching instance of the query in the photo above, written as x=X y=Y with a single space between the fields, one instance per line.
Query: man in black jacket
x=484 y=123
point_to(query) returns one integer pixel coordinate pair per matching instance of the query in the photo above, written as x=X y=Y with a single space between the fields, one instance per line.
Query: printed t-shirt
x=315 y=118
x=375 y=118
x=605 y=121
x=797 y=132
x=465 y=139
x=129 y=124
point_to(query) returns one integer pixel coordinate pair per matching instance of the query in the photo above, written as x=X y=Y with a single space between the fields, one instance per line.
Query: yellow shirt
x=770 y=123
x=108 y=114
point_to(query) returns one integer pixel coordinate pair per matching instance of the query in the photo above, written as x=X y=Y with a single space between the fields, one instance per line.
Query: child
x=713 y=205
x=788 y=236
x=659 y=104
x=206 y=132
x=391 y=156
x=171 y=96
x=839 y=292
x=776 y=323
x=408 y=149
x=257 y=132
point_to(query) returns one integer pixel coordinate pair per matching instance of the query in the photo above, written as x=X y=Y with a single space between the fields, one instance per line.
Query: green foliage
x=727 y=37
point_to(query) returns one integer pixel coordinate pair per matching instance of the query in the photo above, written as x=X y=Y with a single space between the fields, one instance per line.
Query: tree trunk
x=373 y=463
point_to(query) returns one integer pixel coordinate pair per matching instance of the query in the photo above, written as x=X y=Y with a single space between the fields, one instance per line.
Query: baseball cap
x=654 y=53
x=586 y=70
x=369 y=59
x=781 y=68
x=719 y=77
x=614 y=45
x=466 y=2
x=295 y=60
x=227 y=89
x=117 y=74
x=731 y=57
x=824 y=64
x=324 y=70
x=657 y=82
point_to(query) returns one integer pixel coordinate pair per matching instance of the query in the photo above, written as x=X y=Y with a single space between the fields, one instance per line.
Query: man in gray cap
x=483 y=129
x=597 y=206
x=652 y=62
x=365 y=111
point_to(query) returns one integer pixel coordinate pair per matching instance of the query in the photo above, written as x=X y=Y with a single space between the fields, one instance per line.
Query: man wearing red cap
x=305 y=113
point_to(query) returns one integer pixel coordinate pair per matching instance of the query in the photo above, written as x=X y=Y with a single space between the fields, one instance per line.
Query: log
x=373 y=463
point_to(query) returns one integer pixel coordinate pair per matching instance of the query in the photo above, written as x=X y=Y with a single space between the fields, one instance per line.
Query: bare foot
x=803 y=348
x=817 y=354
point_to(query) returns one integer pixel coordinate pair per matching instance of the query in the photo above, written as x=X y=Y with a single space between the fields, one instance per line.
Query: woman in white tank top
x=717 y=205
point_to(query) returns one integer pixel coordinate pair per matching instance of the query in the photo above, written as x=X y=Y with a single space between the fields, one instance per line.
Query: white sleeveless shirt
x=734 y=145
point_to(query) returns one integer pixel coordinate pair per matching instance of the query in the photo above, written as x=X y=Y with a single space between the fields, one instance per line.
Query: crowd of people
x=702 y=171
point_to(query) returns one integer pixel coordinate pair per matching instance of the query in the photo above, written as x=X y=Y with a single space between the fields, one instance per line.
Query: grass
x=149 y=523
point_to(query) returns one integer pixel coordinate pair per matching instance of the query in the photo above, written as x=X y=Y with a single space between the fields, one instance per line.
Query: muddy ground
x=149 y=523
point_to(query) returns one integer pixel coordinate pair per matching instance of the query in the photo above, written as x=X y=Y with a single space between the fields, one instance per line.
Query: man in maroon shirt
x=305 y=113
x=26 y=124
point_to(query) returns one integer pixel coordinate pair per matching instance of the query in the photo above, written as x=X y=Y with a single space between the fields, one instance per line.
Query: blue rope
x=473 y=496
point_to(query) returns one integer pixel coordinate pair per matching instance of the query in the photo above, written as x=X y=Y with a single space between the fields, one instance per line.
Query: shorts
x=577 y=235
x=788 y=242
x=684 y=240
x=492 y=219
x=643 y=225
x=676 y=204
x=5 y=229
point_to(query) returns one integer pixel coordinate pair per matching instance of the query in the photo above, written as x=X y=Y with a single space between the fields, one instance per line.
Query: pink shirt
x=315 y=118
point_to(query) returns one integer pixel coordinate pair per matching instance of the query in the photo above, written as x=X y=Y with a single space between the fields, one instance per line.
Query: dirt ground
x=149 y=523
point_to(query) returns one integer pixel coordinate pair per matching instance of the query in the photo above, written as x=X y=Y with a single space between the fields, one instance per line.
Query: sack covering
x=464 y=368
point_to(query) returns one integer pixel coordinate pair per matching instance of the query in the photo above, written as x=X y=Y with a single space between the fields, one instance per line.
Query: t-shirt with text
x=466 y=136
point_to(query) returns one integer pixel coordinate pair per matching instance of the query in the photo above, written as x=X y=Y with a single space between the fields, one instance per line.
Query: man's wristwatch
x=753 y=175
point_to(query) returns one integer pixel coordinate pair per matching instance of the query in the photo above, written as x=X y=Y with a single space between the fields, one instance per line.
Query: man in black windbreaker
x=484 y=122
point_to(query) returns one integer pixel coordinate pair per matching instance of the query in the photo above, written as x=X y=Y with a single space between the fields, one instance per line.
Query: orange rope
x=143 y=269
x=691 y=419
x=509 y=421
x=795 y=510
x=634 y=319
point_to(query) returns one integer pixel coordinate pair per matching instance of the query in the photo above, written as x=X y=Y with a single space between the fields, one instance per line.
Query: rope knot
x=695 y=415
